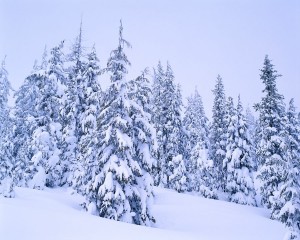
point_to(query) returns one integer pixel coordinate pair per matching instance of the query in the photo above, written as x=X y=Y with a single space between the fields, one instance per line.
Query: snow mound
x=57 y=214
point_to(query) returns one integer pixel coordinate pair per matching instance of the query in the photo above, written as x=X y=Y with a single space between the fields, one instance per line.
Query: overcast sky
x=200 y=39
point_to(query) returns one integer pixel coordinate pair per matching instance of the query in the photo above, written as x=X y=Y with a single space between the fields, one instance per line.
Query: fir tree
x=238 y=161
x=272 y=135
x=72 y=110
x=145 y=147
x=252 y=127
x=287 y=203
x=217 y=132
x=114 y=191
x=196 y=124
x=87 y=146
x=25 y=118
x=7 y=178
x=172 y=134
x=44 y=167
x=157 y=118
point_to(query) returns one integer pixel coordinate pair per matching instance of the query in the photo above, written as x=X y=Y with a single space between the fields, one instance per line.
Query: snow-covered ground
x=56 y=214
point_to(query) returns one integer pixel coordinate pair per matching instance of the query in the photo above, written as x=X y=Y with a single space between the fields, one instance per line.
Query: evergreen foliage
x=238 y=162
x=116 y=189
x=218 y=133
x=44 y=168
x=7 y=178
x=272 y=146
x=196 y=125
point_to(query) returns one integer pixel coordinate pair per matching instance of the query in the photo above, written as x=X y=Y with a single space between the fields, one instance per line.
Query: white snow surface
x=56 y=214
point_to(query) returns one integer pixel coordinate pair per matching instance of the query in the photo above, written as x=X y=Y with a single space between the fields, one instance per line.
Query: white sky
x=200 y=39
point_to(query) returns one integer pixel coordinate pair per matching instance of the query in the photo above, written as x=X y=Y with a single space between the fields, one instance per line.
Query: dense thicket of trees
x=113 y=145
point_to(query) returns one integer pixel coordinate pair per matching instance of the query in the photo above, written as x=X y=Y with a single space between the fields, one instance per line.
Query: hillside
x=56 y=214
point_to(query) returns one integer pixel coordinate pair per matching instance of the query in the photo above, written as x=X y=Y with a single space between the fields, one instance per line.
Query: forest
x=113 y=145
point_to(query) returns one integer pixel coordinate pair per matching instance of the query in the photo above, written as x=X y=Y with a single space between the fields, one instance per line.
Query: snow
x=56 y=214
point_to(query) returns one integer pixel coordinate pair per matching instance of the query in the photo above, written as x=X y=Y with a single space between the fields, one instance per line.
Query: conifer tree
x=172 y=135
x=272 y=146
x=114 y=190
x=44 y=167
x=286 y=207
x=87 y=146
x=25 y=116
x=157 y=118
x=238 y=163
x=7 y=178
x=217 y=132
x=144 y=146
x=72 y=109
x=252 y=127
x=196 y=124
x=203 y=173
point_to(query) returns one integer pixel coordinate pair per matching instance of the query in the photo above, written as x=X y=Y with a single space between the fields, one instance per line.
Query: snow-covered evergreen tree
x=157 y=118
x=238 y=162
x=287 y=203
x=166 y=109
x=44 y=167
x=87 y=146
x=203 y=173
x=71 y=111
x=7 y=178
x=25 y=116
x=145 y=147
x=172 y=134
x=217 y=132
x=252 y=126
x=272 y=146
x=230 y=113
x=114 y=191
x=196 y=124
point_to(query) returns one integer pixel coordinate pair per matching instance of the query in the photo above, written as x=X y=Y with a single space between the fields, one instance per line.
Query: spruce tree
x=196 y=125
x=72 y=110
x=114 y=190
x=144 y=147
x=87 y=146
x=252 y=127
x=238 y=162
x=217 y=133
x=172 y=171
x=287 y=203
x=157 y=118
x=272 y=146
x=25 y=115
x=44 y=167
x=7 y=178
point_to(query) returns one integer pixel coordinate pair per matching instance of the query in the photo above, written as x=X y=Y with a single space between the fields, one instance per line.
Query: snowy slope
x=56 y=214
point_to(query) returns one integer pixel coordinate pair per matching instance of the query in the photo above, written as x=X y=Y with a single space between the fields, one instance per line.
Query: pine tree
x=44 y=167
x=25 y=116
x=217 y=133
x=196 y=124
x=145 y=147
x=114 y=191
x=7 y=178
x=252 y=126
x=172 y=135
x=238 y=161
x=157 y=118
x=272 y=135
x=203 y=174
x=229 y=130
x=72 y=110
x=87 y=146
x=287 y=203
